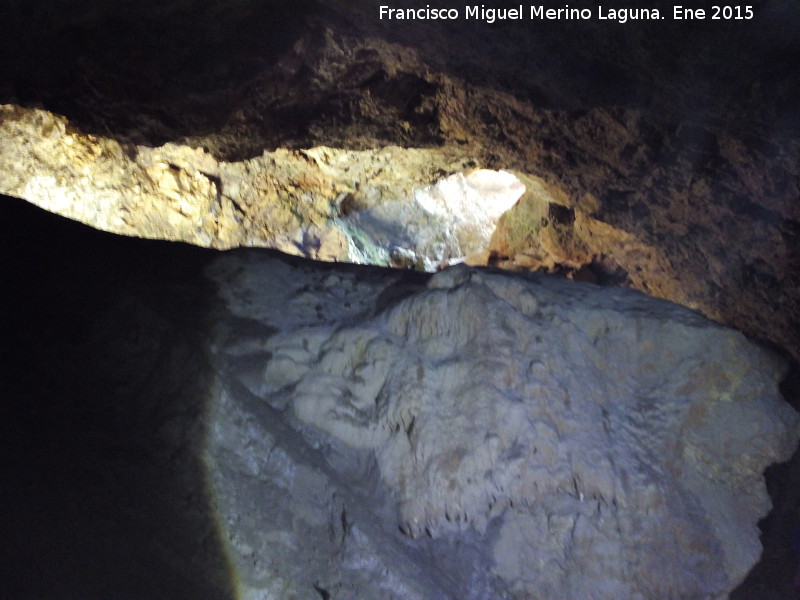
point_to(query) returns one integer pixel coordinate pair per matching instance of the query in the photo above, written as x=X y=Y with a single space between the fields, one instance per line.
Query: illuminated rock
x=528 y=436
x=368 y=207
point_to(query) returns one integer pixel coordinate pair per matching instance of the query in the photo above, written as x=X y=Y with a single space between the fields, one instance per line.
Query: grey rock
x=484 y=435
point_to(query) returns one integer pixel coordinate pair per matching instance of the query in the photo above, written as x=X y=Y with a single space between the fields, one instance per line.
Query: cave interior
x=669 y=150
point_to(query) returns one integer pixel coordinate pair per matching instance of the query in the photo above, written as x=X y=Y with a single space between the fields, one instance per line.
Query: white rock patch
x=597 y=443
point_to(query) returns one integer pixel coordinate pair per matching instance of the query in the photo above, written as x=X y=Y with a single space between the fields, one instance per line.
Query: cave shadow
x=773 y=577
x=149 y=73
x=103 y=416
x=157 y=72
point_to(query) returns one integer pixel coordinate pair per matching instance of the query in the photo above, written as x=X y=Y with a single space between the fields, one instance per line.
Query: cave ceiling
x=666 y=152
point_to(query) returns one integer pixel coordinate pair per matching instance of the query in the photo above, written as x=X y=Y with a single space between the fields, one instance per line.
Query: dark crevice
x=104 y=347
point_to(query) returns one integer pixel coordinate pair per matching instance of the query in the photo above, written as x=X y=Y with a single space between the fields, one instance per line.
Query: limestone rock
x=687 y=150
x=530 y=437
x=386 y=206
x=666 y=150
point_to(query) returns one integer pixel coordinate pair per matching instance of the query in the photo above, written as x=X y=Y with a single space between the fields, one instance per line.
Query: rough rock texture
x=530 y=437
x=387 y=207
x=663 y=156
x=677 y=139
x=147 y=451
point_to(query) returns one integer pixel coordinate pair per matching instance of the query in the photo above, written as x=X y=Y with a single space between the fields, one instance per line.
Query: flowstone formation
x=481 y=435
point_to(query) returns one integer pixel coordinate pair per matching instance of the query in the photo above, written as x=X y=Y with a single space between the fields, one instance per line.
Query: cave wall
x=181 y=423
x=675 y=142
x=493 y=435
x=665 y=158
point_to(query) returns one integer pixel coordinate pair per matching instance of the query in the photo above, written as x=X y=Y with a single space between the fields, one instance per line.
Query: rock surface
x=661 y=155
x=675 y=143
x=390 y=206
x=482 y=435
